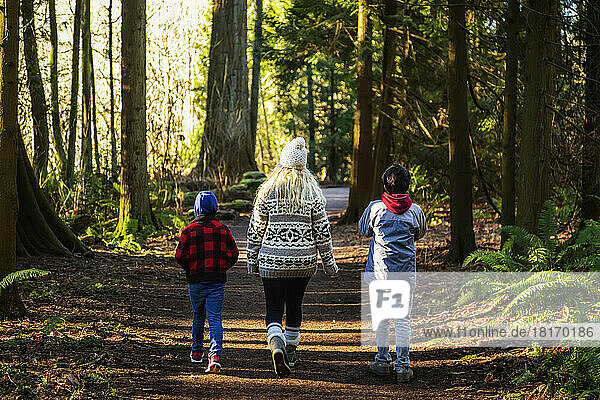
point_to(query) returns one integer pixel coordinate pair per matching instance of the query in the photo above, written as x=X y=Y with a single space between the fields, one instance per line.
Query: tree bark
x=311 y=118
x=536 y=145
x=134 y=211
x=361 y=175
x=10 y=303
x=70 y=173
x=510 y=115
x=41 y=145
x=86 y=106
x=256 y=59
x=462 y=237
x=385 y=123
x=111 y=85
x=227 y=145
x=54 y=102
x=590 y=168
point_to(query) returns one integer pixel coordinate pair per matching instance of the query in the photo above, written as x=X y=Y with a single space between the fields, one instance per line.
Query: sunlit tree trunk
x=70 y=173
x=134 y=211
x=86 y=107
x=590 y=171
x=536 y=145
x=361 y=175
x=94 y=116
x=10 y=303
x=111 y=85
x=462 y=237
x=41 y=145
x=385 y=124
x=510 y=115
x=256 y=58
x=227 y=144
x=311 y=118
x=54 y=102
x=331 y=163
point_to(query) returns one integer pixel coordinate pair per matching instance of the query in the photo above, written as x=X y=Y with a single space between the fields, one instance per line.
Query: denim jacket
x=393 y=237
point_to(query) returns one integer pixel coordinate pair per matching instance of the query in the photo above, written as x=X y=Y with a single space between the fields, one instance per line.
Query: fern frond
x=19 y=276
x=547 y=225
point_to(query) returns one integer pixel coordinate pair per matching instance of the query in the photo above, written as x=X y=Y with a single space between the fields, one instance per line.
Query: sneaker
x=280 y=361
x=290 y=349
x=403 y=374
x=214 y=365
x=197 y=356
x=380 y=368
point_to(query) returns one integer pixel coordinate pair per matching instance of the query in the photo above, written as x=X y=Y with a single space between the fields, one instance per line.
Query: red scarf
x=397 y=203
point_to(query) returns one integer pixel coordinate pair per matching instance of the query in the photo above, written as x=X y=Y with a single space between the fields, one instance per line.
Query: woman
x=288 y=227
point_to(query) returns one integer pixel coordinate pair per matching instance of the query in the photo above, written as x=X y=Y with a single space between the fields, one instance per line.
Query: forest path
x=119 y=326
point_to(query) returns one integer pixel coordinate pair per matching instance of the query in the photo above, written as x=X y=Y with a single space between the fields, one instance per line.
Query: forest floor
x=111 y=325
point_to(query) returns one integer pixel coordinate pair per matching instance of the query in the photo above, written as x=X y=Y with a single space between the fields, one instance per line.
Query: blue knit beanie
x=206 y=203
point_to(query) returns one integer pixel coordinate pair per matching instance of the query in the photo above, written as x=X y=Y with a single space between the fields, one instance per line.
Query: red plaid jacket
x=206 y=251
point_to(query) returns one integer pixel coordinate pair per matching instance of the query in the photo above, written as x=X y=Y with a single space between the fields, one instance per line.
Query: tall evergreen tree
x=54 y=103
x=227 y=144
x=535 y=149
x=134 y=210
x=361 y=176
x=10 y=303
x=462 y=237
x=590 y=169
x=257 y=46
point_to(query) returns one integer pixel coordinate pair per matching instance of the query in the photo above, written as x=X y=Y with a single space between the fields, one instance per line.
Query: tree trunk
x=227 y=145
x=134 y=211
x=111 y=85
x=385 y=123
x=332 y=165
x=70 y=174
x=10 y=302
x=536 y=142
x=590 y=168
x=462 y=240
x=510 y=115
x=311 y=118
x=86 y=106
x=54 y=102
x=361 y=175
x=256 y=58
x=94 y=116
x=36 y=91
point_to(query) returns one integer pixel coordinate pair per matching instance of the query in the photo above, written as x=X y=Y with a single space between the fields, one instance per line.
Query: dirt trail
x=138 y=313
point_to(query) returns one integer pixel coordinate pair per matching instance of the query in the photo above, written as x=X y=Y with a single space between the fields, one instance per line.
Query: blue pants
x=207 y=303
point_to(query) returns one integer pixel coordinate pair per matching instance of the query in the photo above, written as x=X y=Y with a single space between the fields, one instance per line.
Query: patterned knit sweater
x=284 y=244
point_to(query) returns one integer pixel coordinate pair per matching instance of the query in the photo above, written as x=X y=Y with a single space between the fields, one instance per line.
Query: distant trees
x=536 y=150
x=257 y=46
x=462 y=238
x=227 y=148
x=361 y=175
x=72 y=137
x=134 y=210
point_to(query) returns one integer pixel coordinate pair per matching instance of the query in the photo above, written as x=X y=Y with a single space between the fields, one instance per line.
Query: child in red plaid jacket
x=206 y=251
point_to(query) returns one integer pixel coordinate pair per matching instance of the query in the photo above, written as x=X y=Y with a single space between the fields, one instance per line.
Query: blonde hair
x=295 y=187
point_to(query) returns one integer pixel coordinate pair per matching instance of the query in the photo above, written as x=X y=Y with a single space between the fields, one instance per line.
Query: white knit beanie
x=294 y=154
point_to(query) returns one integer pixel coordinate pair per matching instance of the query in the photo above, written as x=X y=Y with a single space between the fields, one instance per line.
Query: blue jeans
x=402 y=333
x=207 y=303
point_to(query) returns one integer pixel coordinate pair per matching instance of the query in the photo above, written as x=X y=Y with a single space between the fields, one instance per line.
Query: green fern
x=19 y=276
